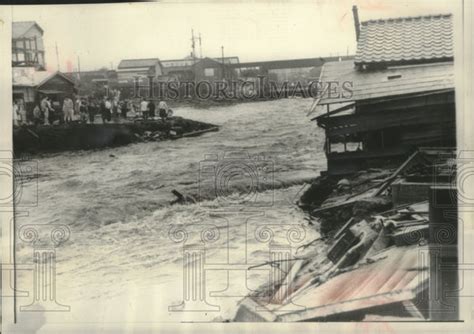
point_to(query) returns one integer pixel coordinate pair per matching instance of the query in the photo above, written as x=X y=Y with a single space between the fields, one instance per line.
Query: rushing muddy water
x=124 y=257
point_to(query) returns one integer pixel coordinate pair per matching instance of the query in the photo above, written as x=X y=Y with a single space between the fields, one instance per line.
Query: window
x=209 y=72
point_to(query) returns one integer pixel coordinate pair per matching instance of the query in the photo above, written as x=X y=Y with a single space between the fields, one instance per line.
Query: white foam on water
x=120 y=263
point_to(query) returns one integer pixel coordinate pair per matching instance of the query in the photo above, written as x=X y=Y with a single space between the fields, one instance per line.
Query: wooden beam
x=335 y=111
x=392 y=178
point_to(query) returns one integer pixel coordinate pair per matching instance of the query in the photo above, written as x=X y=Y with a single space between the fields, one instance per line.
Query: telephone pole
x=57 y=57
x=223 y=66
x=78 y=67
x=193 y=46
x=200 y=46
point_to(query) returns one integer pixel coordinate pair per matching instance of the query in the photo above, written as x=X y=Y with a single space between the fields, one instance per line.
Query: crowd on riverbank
x=86 y=109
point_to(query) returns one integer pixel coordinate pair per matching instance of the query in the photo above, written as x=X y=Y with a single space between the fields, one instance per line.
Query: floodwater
x=123 y=260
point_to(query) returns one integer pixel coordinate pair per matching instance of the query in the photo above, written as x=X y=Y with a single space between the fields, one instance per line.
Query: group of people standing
x=148 y=108
x=85 y=109
x=41 y=112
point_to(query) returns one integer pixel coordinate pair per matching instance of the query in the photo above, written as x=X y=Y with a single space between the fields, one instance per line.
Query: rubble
x=367 y=265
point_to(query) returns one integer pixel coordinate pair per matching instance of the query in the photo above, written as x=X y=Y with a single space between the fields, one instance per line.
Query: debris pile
x=368 y=266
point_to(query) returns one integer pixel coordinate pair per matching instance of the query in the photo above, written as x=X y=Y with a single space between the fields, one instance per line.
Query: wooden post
x=24 y=52
x=328 y=145
x=443 y=249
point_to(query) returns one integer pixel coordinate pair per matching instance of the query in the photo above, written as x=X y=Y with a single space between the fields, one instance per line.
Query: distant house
x=30 y=86
x=94 y=82
x=401 y=96
x=184 y=69
x=27 y=45
x=179 y=69
x=129 y=69
x=208 y=69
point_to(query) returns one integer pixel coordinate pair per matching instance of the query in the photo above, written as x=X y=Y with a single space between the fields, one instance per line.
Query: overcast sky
x=102 y=35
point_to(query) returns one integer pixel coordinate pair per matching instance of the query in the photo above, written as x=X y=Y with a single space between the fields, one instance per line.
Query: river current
x=123 y=260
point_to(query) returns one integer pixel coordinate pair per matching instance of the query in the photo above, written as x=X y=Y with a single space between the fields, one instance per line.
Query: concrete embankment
x=35 y=139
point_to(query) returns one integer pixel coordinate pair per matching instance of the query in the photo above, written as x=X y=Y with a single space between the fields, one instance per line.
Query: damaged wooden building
x=401 y=94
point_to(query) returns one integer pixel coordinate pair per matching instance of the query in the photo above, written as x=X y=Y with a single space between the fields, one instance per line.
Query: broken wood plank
x=271 y=263
x=335 y=206
x=251 y=311
x=282 y=293
x=392 y=178
x=344 y=228
x=413 y=310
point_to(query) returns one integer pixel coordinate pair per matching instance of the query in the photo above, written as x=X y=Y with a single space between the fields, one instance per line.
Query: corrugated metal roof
x=20 y=28
x=133 y=63
x=396 y=278
x=390 y=82
x=406 y=39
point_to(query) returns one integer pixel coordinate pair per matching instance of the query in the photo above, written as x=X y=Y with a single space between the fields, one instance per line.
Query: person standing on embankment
x=45 y=108
x=106 y=110
x=68 y=110
x=163 y=110
x=151 y=109
x=144 y=109
x=15 y=113
x=37 y=115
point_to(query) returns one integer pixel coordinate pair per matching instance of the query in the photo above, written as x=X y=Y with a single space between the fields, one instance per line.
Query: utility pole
x=193 y=46
x=355 y=13
x=200 y=46
x=78 y=67
x=57 y=57
x=223 y=66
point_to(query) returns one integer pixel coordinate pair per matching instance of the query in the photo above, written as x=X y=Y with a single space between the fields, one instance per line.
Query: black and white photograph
x=193 y=166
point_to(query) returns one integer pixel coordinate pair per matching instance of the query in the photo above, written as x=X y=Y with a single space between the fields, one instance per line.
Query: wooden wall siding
x=406 y=102
x=351 y=124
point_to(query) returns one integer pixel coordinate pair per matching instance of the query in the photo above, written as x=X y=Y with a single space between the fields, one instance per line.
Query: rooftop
x=133 y=63
x=20 y=28
x=390 y=82
x=26 y=78
x=406 y=39
x=397 y=276
x=190 y=61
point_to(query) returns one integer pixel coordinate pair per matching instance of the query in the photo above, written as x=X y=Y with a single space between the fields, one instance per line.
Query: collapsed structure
x=386 y=207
